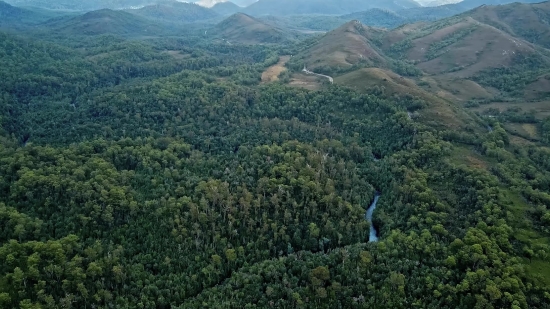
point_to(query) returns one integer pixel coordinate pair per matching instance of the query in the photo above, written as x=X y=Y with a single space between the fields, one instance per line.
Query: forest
x=161 y=173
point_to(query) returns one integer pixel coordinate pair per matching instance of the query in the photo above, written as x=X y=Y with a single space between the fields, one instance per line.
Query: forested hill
x=106 y=22
x=165 y=171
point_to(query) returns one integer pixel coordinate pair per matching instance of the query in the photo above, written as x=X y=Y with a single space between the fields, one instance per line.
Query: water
x=373 y=236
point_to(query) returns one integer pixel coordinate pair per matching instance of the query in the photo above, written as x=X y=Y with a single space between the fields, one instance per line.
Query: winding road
x=330 y=79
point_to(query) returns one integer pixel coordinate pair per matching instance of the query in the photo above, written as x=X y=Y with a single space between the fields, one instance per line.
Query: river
x=373 y=235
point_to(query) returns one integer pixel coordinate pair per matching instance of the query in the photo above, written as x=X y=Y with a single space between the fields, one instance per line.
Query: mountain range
x=264 y=7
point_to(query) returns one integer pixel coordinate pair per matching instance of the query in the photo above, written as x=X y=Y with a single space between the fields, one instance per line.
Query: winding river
x=373 y=236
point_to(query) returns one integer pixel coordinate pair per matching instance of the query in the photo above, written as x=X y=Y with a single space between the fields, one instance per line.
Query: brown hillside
x=245 y=29
x=343 y=47
x=527 y=21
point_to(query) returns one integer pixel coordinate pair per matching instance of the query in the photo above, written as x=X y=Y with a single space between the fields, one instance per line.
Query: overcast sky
x=210 y=3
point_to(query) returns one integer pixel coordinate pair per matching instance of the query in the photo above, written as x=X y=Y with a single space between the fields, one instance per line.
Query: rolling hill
x=342 y=48
x=245 y=29
x=174 y=11
x=107 y=21
x=326 y=7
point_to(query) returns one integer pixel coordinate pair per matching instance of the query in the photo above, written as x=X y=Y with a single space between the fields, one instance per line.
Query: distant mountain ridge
x=175 y=11
x=20 y=18
x=106 y=21
x=245 y=29
x=326 y=7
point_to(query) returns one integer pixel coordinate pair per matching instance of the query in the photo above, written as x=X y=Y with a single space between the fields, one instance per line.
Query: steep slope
x=226 y=8
x=246 y=29
x=107 y=22
x=174 y=11
x=329 y=7
x=527 y=21
x=341 y=48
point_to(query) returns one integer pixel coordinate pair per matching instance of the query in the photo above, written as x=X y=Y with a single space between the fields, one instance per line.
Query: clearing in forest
x=272 y=73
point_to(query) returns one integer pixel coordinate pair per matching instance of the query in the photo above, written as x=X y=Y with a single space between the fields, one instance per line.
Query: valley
x=274 y=154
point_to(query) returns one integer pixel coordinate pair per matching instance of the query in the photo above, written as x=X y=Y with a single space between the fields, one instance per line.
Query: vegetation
x=160 y=173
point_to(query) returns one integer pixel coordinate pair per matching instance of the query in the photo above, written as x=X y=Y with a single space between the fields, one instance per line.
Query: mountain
x=246 y=29
x=226 y=8
x=174 y=11
x=328 y=7
x=107 y=21
x=527 y=21
x=342 y=48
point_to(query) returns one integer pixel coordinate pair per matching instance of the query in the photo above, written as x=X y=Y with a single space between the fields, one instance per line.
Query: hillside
x=527 y=21
x=174 y=11
x=342 y=48
x=327 y=7
x=437 y=112
x=107 y=22
x=459 y=45
x=226 y=8
x=245 y=29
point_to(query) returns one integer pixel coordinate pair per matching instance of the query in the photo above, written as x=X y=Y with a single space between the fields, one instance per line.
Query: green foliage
x=545 y=130
x=135 y=178
x=513 y=79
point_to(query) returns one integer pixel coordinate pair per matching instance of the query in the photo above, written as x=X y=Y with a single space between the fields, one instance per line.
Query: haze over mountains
x=262 y=7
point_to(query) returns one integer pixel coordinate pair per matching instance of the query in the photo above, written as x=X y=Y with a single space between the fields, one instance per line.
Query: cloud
x=209 y=3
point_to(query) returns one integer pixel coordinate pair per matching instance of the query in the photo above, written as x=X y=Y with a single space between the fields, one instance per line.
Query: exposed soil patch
x=272 y=73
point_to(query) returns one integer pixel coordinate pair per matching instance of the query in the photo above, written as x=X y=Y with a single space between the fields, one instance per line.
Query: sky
x=243 y=3
x=210 y=3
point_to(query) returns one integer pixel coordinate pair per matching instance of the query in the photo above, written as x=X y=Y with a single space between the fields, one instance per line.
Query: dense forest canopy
x=164 y=172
